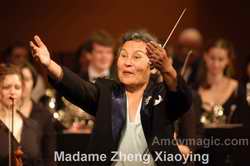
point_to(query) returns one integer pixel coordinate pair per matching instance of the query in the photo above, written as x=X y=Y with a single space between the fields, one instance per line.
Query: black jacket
x=107 y=102
x=38 y=139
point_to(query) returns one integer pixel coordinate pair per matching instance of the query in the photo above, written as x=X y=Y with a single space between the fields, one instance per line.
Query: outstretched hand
x=40 y=51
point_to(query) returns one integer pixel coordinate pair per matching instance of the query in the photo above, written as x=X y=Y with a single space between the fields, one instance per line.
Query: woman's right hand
x=41 y=54
x=40 y=51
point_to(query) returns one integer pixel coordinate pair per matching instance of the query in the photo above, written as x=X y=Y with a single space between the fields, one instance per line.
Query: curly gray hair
x=140 y=35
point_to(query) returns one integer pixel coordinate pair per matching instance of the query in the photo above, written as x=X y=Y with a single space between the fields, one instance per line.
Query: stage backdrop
x=64 y=24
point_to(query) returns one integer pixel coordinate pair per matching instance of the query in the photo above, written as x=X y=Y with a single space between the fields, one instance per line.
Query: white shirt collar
x=93 y=75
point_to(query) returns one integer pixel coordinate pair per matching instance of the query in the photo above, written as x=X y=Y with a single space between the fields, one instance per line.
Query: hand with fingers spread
x=40 y=51
x=160 y=60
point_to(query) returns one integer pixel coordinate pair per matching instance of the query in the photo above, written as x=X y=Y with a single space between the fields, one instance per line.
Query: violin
x=18 y=157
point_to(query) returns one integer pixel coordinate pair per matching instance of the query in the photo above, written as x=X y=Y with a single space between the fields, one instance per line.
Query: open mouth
x=127 y=73
x=12 y=98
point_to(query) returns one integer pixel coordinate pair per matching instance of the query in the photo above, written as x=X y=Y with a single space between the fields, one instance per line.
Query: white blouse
x=133 y=143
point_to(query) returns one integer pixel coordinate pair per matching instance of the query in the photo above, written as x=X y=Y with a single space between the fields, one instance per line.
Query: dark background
x=64 y=24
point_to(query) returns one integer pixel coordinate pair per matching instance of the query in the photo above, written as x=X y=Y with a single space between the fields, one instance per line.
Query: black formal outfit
x=106 y=100
x=37 y=139
x=235 y=111
x=48 y=139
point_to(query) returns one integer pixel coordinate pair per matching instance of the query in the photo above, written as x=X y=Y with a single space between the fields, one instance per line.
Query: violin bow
x=185 y=62
x=11 y=131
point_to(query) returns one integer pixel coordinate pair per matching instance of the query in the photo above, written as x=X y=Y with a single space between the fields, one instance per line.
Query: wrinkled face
x=101 y=57
x=11 y=86
x=28 y=82
x=133 y=64
x=216 y=60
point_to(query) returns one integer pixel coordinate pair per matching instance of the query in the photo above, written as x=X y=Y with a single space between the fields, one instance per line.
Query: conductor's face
x=133 y=64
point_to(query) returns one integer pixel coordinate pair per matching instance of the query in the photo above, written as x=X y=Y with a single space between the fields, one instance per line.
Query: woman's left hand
x=160 y=60
x=158 y=57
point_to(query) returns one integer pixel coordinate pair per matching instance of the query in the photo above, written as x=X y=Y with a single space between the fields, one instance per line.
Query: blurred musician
x=94 y=60
x=218 y=91
x=28 y=131
x=189 y=39
x=95 y=56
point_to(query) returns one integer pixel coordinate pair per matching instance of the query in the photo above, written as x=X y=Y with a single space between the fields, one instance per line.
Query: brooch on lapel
x=147 y=100
x=156 y=101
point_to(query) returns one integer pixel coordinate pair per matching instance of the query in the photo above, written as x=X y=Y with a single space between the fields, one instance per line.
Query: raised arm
x=178 y=98
x=42 y=55
x=160 y=60
x=68 y=84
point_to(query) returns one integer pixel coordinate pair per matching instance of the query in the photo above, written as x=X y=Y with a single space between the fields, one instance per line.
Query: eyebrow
x=137 y=51
x=122 y=49
x=140 y=51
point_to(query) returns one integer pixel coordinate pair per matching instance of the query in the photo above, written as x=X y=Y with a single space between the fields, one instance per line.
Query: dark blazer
x=47 y=141
x=106 y=100
x=31 y=133
x=37 y=139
